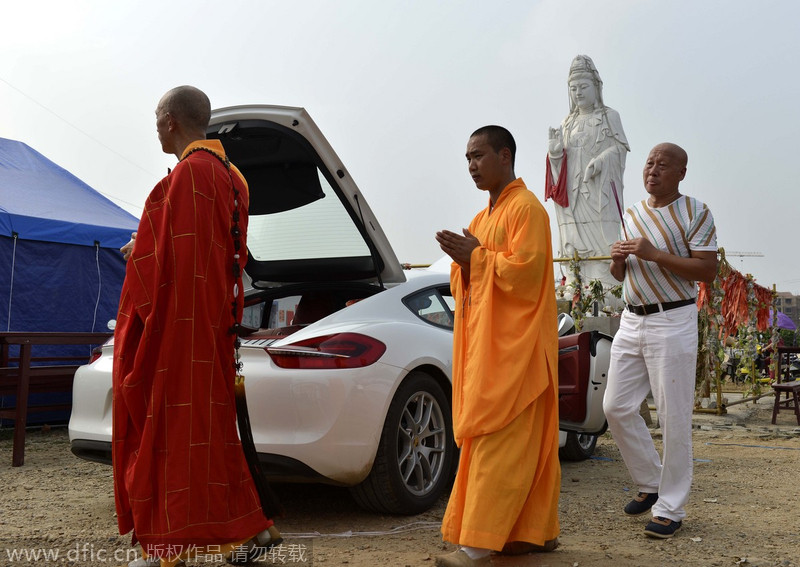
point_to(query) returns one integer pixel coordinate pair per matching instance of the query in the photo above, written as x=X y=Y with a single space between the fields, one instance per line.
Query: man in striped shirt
x=670 y=243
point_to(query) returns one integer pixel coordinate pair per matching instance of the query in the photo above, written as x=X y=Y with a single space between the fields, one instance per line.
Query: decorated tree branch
x=733 y=309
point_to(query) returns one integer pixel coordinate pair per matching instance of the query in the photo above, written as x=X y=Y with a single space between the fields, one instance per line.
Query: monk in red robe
x=181 y=481
x=505 y=363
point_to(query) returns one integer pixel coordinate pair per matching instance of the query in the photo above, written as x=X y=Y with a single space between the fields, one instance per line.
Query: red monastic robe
x=505 y=380
x=180 y=475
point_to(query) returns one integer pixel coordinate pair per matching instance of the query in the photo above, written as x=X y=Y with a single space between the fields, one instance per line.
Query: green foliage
x=790 y=338
x=585 y=296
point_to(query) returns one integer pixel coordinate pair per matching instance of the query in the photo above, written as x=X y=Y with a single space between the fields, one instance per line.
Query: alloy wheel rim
x=585 y=441
x=422 y=442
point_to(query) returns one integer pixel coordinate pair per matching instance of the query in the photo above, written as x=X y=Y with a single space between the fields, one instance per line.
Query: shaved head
x=663 y=172
x=675 y=151
x=189 y=106
x=498 y=138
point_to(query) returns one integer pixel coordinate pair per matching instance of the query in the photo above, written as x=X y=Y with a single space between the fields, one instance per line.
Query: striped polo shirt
x=683 y=225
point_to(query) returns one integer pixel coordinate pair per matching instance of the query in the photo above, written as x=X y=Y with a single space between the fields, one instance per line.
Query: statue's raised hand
x=554 y=144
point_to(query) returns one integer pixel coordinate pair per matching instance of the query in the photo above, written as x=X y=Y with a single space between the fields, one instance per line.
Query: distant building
x=788 y=304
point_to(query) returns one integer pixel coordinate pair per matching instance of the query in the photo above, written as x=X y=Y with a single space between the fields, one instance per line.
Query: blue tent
x=60 y=265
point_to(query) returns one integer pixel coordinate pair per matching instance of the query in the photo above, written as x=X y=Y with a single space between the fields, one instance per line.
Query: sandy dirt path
x=745 y=509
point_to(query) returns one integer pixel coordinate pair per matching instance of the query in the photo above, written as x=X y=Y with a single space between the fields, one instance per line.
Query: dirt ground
x=745 y=509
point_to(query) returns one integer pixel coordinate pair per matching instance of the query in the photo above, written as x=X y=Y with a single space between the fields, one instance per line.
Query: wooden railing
x=24 y=378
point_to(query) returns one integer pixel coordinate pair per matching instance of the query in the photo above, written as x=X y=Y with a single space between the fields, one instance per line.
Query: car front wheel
x=416 y=454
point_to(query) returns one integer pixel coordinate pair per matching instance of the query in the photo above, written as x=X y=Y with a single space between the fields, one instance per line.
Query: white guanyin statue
x=585 y=163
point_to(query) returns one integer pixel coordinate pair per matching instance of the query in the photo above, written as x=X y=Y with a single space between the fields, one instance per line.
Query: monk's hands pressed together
x=458 y=247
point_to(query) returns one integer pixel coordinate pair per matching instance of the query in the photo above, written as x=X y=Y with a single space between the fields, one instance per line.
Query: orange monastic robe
x=505 y=381
x=180 y=476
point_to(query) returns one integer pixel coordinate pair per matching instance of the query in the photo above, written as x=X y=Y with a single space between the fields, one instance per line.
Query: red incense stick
x=619 y=208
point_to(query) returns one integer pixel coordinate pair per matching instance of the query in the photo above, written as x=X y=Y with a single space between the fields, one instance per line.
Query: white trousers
x=655 y=353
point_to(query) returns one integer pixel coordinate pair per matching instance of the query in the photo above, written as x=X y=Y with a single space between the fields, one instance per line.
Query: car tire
x=416 y=457
x=579 y=446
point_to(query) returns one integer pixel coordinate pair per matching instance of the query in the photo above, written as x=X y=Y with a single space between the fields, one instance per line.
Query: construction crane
x=741 y=254
x=738 y=253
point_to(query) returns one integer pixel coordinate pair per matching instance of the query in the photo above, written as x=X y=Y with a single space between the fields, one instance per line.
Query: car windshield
x=305 y=214
x=319 y=229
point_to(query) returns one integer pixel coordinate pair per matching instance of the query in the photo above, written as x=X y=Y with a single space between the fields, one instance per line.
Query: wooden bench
x=792 y=400
x=22 y=375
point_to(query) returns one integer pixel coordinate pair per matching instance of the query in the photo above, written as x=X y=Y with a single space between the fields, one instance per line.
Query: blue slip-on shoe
x=662 y=528
x=641 y=504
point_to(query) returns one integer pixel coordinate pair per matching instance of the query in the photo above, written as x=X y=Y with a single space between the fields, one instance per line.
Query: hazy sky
x=398 y=86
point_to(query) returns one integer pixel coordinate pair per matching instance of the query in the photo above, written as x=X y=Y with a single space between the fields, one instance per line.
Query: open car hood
x=308 y=221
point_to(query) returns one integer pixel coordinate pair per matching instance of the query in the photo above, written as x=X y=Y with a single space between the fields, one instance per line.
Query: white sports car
x=348 y=359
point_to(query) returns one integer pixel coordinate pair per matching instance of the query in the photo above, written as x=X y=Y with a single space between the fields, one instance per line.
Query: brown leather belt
x=657 y=307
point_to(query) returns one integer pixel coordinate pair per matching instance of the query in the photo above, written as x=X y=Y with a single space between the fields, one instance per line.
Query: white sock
x=475 y=552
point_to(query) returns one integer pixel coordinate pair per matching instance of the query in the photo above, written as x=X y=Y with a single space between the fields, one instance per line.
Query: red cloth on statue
x=556 y=191
x=180 y=475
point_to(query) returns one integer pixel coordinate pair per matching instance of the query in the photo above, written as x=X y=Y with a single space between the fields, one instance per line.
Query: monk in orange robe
x=181 y=480
x=505 y=363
